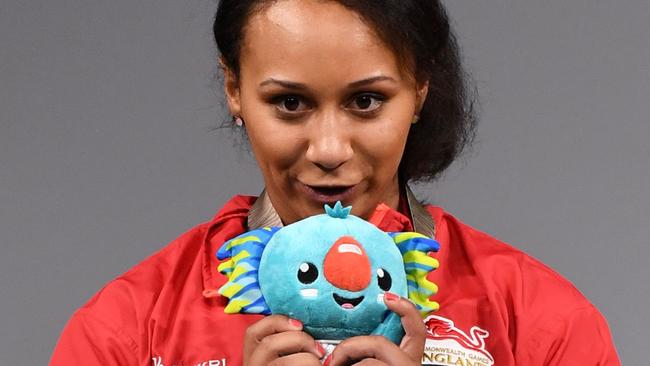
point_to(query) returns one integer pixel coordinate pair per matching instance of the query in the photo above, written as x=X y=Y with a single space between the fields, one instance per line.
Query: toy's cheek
x=309 y=293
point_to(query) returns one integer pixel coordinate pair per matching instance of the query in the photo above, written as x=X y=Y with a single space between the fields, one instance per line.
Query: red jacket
x=498 y=306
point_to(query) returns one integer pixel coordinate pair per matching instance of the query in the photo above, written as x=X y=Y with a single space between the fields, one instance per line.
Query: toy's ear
x=243 y=288
x=415 y=249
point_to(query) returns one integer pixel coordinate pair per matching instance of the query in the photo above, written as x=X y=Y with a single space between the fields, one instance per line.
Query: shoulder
x=506 y=269
x=125 y=302
x=152 y=286
x=542 y=315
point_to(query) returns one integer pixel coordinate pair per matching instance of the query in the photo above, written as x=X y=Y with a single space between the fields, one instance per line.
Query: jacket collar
x=263 y=214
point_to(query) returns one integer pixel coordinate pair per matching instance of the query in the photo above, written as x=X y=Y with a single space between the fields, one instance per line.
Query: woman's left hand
x=377 y=350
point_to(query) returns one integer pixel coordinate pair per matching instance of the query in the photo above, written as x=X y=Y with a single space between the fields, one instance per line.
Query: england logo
x=448 y=345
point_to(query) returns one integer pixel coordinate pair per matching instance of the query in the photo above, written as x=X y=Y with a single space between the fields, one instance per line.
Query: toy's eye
x=383 y=279
x=307 y=273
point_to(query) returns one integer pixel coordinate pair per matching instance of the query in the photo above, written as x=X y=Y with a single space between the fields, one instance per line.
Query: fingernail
x=321 y=350
x=389 y=296
x=327 y=360
x=295 y=323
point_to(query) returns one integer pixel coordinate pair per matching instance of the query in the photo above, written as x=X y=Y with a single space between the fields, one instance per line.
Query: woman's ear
x=421 y=96
x=231 y=88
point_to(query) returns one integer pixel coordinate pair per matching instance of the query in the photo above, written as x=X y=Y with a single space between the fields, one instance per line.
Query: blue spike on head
x=338 y=211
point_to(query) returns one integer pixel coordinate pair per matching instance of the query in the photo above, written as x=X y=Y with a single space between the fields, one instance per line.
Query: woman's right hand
x=278 y=340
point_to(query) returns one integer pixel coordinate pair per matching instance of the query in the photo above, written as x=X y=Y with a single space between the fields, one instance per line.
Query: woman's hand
x=377 y=350
x=278 y=340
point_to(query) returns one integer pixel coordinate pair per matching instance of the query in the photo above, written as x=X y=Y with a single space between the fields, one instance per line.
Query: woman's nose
x=329 y=145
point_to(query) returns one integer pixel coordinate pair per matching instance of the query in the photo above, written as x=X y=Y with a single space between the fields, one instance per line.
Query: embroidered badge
x=448 y=345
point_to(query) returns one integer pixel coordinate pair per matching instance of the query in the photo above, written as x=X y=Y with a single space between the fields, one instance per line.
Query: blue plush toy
x=329 y=271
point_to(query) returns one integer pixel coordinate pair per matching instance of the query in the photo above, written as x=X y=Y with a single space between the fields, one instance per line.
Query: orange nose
x=346 y=265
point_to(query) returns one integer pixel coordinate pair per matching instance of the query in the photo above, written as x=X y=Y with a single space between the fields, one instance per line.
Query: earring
x=238 y=121
x=415 y=119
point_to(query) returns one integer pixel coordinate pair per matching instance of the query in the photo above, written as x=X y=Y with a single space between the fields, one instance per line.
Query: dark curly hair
x=419 y=33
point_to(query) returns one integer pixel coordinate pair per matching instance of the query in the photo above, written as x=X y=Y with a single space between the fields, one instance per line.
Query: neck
x=263 y=214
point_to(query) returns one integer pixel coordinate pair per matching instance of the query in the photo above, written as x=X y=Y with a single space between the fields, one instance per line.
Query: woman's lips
x=328 y=193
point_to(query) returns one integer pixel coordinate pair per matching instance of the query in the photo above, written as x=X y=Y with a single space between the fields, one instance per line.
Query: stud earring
x=415 y=120
x=238 y=121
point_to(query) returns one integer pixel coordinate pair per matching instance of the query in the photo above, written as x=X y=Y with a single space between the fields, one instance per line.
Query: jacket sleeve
x=582 y=339
x=86 y=340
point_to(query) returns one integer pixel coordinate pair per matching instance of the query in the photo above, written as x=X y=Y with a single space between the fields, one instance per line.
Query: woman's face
x=327 y=107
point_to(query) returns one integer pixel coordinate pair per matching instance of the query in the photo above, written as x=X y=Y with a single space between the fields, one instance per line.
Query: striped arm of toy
x=241 y=263
x=415 y=249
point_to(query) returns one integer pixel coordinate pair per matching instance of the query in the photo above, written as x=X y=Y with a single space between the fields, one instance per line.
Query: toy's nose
x=346 y=265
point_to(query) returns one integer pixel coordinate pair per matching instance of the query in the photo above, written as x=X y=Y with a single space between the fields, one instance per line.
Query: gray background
x=107 y=153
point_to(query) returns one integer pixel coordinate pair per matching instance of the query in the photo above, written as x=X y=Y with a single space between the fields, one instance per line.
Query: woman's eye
x=290 y=104
x=366 y=102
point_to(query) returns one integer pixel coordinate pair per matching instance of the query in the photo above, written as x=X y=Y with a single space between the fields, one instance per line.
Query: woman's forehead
x=300 y=38
x=304 y=16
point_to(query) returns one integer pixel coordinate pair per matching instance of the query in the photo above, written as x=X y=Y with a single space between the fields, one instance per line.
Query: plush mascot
x=329 y=271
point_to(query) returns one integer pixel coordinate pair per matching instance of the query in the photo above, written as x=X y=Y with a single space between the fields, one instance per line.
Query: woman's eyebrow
x=285 y=83
x=371 y=80
x=299 y=86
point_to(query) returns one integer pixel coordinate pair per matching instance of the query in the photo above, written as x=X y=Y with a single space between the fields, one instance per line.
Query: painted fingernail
x=295 y=323
x=321 y=350
x=389 y=296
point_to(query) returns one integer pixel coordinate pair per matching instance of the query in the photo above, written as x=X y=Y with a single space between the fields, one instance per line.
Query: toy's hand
x=377 y=350
x=278 y=340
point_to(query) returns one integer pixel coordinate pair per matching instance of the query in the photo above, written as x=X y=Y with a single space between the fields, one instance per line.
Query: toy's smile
x=347 y=303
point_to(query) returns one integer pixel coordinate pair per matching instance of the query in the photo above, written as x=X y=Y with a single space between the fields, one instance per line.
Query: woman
x=341 y=100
